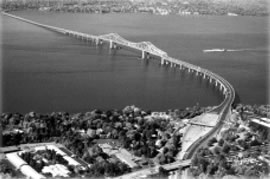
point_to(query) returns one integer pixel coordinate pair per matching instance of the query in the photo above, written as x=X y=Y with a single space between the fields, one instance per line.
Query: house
x=261 y=121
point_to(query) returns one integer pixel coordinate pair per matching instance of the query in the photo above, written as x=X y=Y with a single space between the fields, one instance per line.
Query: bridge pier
x=225 y=92
x=111 y=44
x=162 y=61
x=147 y=55
x=204 y=76
x=143 y=54
x=97 y=41
x=198 y=70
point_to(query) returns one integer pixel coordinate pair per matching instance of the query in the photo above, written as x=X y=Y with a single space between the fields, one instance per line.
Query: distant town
x=159 y=7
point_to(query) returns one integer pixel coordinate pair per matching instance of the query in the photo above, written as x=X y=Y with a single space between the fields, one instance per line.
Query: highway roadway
x=154 y=170
x=225 y=110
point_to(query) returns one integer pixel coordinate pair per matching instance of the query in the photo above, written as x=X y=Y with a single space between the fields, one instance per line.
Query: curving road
x=224 y=109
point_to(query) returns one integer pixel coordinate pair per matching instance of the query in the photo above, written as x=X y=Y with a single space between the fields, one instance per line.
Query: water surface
x=45 y=71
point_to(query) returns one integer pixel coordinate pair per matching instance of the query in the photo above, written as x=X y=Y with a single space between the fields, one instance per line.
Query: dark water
x=45 y=71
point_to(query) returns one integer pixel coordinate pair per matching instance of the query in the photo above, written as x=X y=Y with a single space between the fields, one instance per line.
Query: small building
x=122 y=154
x=261 y=121
x=160 y=115
x=231 y=14
x=184 y=12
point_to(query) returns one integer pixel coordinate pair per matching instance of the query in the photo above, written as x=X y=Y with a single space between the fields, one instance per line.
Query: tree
x=243 y=144
x=203 y=164
x=230 y=170
x=162 y=159
x=162 y=172
x=195 y=160
x=221 y=142
x=211 y=169
x=255 y=142
x=226 y=148
x=4 y=167
x=212 y=141
x=217 y=150
x=240 y=169
x=251 y=172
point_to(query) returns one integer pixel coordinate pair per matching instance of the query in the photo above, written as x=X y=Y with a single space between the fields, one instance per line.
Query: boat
x=215 y=50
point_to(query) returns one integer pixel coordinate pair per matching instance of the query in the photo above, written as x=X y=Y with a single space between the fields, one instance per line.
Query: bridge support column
x=97 y=41
x=216 y=83
x=204 y=76
x=171 y=64
x=210 y=79
x=143 y=54
x=189 y=70
x=162 y=61
x=111 y=44
x=147 y=55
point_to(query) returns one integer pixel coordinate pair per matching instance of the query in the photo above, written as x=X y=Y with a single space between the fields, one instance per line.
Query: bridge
x=177 y=164
x=154 y=170
x=148 y=49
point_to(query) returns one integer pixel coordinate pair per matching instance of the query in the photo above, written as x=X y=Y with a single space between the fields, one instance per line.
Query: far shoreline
x=134 y=13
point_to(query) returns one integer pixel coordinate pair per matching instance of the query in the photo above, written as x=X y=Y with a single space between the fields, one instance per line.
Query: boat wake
x=229 y=50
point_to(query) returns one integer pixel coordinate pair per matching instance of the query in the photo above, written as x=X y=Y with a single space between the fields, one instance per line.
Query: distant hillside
x=241 y=7
x=202 y=7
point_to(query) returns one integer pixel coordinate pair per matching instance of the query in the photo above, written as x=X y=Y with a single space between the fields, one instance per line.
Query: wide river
x=45 y=71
